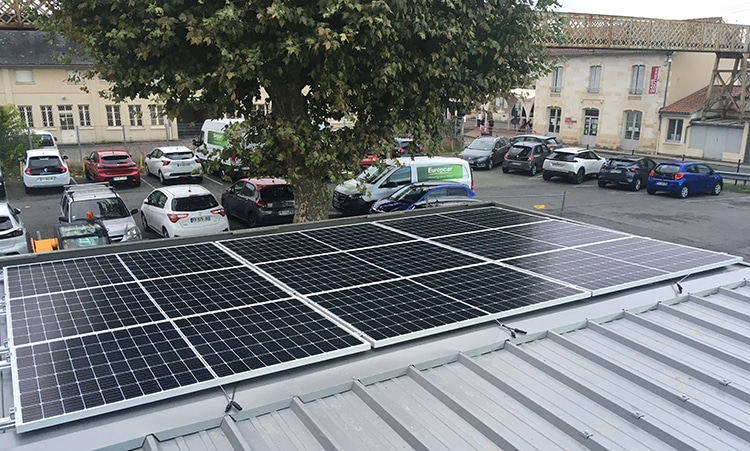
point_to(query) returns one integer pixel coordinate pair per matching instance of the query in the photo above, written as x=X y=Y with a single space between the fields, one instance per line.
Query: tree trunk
x=312 y=200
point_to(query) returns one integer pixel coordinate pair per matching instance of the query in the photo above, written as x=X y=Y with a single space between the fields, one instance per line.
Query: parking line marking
x=212 y=179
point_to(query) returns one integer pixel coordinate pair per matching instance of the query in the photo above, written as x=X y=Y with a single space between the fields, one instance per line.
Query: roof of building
x=32 y=48
x=689 y=104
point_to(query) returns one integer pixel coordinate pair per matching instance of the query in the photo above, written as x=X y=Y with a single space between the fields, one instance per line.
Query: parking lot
x=710 y=222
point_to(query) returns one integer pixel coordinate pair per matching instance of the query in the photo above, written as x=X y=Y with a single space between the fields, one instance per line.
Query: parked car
x=684 y=178
x=405 y=147
x=3 y=193
x=114 y=166
x=573 y=163
x=14 y=239
x=102 y=202
x=259 y=201
x=486 y=151
x=626 y=170
x=425 y=195
x=551 y=142
x=526 y=156
x=174 y=163
x=45 y=168
x=185 y=210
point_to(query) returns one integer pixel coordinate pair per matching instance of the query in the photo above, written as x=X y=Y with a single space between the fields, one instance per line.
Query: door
x=632 y=128
x=590 y=127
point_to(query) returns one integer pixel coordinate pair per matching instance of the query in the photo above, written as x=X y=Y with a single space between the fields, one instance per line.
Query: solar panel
x=325 y=272
x=396 y=311
x=565 y=233
x=430 y=225
x=499 y=289
x=267 y=248
x=496 y=245
x=415 y=257
x=167 y=261
x=260 y=337
x=210 y=291
x=55 y=276
x=50 y=316
x=355 y=236
x=494 y=217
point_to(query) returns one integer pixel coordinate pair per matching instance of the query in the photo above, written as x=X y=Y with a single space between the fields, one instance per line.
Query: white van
x=213 y=141
x=357 y=195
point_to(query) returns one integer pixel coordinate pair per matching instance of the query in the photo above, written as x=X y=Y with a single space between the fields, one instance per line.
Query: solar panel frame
x=430 y=226
x=266 y=248
x=177 y=260
x=494 y=217
x=496 y=244
x=413 y=257
x=356 y=236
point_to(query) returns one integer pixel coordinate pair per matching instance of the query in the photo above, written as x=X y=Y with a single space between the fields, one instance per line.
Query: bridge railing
x=637 y=33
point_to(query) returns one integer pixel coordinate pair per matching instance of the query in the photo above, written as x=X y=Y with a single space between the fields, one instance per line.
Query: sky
x=733 y=11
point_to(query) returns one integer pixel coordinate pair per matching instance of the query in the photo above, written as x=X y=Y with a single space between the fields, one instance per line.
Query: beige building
x=612 y=99
x=36 y=77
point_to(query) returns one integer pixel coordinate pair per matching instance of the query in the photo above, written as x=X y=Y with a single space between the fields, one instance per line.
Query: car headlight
x=133 y=234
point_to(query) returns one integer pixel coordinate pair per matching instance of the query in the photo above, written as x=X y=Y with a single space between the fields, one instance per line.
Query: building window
x=26 y=116
x=24 y=76
x=84 y=115
x=637 y=78
x=74 y=76
x=47 y=119
x=595 y=77
x=674 y=130
x=136 y=117
x=557 y=79
x=554 y=120
x=157 y=114
x=66 y=117
x=113 y=116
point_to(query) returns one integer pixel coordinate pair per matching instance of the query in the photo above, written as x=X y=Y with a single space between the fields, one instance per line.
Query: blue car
x=422 y=195
x=684 y=178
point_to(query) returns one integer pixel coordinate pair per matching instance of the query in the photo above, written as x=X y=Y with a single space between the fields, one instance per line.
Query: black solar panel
x=356 y=236
x=210 y=291
x=431 y=225
x=494 y=217
x=325 y=272
x=93 y=371
x=585 y=270
x=263 y=336
x=50 y=316
x=55 y=276
x=168 y=261
x=416 y=257
x=267 y=248
x=495 y=288
x=564 y=233
x=496 y=245
x=396 y=309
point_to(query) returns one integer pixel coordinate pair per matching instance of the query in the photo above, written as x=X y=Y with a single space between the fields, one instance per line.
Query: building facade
x=44 y=81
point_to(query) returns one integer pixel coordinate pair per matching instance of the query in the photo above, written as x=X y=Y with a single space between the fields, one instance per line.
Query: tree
x=13 y=138
x=390 y=64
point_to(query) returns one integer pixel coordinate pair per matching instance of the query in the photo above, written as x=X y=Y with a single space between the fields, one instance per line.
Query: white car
x=184 y=210
x=573 y=163
x=13 y=236
x=174 y=163
x=45 y=168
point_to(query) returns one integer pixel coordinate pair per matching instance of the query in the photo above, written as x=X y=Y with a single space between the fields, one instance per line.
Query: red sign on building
x=654 y=79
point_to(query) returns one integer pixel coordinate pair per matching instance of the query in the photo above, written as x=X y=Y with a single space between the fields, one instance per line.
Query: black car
x=526 y=156
x=626 y=170
x=259 y=201
x=551 y=142
x=486 y=151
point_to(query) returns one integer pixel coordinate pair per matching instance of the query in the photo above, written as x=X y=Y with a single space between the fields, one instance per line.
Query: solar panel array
x=97 y=334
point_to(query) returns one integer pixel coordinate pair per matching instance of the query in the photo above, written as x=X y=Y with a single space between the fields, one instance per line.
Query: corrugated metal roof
x=673 y=374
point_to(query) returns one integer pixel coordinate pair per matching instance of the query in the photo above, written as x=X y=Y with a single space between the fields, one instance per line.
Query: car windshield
x=107 y=208
x=563 y=156
x=50 y=163
x=5 y=223
x=409 y=194
x=194 y=203
x=282 y=192
x=87 y=229
x=113 y=159
x=667 y=169
x=179 y=155
x=372 y=173
x=482 y=144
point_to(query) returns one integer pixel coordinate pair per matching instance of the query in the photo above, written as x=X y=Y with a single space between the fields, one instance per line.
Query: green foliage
x=395 y=66
x=13 y=137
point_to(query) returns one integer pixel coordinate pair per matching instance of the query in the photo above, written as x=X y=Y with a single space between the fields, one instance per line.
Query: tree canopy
x=13 y=137
x=390 y=64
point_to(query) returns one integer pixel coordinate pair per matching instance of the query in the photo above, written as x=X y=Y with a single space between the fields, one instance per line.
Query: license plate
x=661 y=183
x=557 y=165
x=200 y=219
x=47 y=179
x=614 y=170
x=285 y=212
x=119 y=179
x=515 y=163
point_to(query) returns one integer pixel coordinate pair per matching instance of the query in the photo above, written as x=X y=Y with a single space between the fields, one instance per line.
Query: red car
x=115 y=166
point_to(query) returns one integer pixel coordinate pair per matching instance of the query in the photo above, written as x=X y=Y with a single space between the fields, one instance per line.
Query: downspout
x=664 y=102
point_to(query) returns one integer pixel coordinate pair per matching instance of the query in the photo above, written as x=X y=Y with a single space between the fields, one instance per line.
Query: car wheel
x=602 y=183
x=579 y=176
x=546 y=176
x=162 y=179
x=27 y=189
x=684 y=192
x=86 y=173
x=148 y=171
x=137 y=183
x=717 y=189
x=164 y=232
x=637 y=184
x=252 y=219
x=532 y=170
x=505 y=170
x=489 y=164
x=144 y=222
x=650 y=191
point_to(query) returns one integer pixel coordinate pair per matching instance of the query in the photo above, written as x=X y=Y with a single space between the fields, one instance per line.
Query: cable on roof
x=513 y=330
x=679 y=287
x=231 y=403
